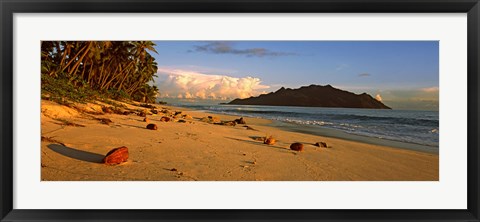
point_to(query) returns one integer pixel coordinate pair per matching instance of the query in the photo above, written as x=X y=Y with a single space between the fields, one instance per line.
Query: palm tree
x=102 y=65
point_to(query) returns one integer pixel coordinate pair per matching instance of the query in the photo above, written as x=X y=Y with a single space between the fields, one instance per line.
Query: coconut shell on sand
x=116 y=156
x=152 y=126
x=296 y=146
x=165 y=119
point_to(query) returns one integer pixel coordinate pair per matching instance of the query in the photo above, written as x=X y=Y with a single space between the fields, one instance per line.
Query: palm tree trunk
x=72 y=59
x=75 y=67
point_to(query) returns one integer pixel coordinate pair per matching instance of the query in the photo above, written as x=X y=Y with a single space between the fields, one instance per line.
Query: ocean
x=403 y=126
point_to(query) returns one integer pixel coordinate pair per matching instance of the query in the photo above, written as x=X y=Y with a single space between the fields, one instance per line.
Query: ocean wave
x=317 y=114
x=405 y=126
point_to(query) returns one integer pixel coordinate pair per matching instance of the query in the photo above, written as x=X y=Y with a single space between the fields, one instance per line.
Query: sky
x=401 y=74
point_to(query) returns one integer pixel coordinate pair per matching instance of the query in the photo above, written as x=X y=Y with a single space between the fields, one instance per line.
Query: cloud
x=187 y=84
x=430 y=89
x=411 y=98
x=364 y=74
x=227 y=48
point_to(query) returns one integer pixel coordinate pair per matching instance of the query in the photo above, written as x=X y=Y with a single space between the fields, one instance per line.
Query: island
x=313 y=96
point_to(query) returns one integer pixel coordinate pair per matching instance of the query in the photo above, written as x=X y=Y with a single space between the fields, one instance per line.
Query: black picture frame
x=9 y=7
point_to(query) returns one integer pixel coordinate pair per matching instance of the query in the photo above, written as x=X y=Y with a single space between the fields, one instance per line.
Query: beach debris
x=182 y=121
x=126 y=112
x=296 y=146
x=116 y=156
x=106 y=109
x=210 y=119
x=118 y=111
x=178 y=113
x=166 y=111
x=186 y=116
x=214 y=118
x=174 y=170
x=321 y=144
x=105 y=121
x=154 y=111
x=152 y=126
x=240 y=121
x=142 y=113
x=227 y=123
x=146 y=119
x=165 y=119
x=269 y=141
x=145 y=105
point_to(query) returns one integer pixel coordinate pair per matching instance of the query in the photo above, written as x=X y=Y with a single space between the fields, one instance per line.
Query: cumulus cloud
x=187 y=84
x=378 y=97
x=364 y=74
x=228 y=48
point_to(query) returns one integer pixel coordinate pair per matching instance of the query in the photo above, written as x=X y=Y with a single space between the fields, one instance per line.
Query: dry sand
x=201 y=151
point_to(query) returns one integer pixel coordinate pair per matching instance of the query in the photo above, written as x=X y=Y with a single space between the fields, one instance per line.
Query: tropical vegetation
x=82 y=69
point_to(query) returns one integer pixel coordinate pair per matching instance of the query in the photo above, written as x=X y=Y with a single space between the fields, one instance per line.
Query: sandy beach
x=75 y=140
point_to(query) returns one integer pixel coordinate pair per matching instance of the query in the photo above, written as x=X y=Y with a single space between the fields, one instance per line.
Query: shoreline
x=196 y=150
x=335 y=133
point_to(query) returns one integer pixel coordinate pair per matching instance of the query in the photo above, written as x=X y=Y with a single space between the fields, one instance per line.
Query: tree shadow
x=76 y=154
x=313 y=144
x=258 y=138
x=258 y=143
x=132 y=126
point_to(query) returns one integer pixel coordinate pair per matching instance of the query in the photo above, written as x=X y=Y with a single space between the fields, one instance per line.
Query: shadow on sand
x=76 y=154
x=132 y=126
x=258 y=143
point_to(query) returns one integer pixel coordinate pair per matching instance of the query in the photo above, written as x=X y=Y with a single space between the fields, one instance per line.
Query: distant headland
x=313 y=96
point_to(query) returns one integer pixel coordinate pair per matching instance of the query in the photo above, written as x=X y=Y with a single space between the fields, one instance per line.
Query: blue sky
x=403 y=74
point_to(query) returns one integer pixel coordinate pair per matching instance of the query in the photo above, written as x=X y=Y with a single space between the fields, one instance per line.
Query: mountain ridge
x=313 y=96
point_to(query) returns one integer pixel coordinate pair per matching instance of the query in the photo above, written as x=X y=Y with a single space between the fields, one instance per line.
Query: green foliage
x=62 y=91
x=117 y=94
x=82 y=70
x=105 y=98
x=118 y=68
x=146 y=94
